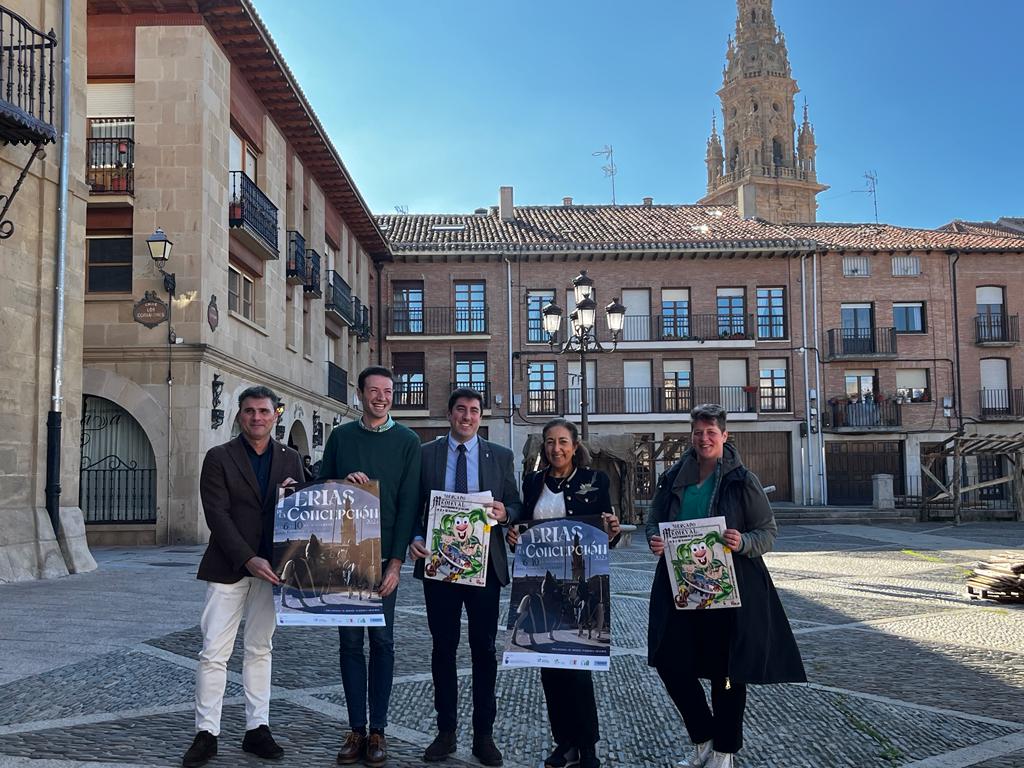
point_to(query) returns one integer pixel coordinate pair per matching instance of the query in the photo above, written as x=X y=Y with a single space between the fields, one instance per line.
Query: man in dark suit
x=237 y=489
x=464 y=462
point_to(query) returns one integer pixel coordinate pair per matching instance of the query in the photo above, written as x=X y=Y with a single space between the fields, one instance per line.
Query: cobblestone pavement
x=98 y=670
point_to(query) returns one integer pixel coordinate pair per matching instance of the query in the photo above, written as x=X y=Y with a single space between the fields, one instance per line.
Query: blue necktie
x=461 y=474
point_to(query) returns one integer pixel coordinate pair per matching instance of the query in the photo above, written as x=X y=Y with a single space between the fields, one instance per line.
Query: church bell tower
x=766 y=167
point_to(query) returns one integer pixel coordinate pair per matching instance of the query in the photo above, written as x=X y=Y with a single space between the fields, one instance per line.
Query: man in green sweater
x=375 y=448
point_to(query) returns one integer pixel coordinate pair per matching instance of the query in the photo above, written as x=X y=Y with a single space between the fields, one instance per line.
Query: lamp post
x=160 y=251
x=583 y=337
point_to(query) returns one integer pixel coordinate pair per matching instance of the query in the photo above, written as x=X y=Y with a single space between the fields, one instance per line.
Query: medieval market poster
x=459 y=538
x=327 y=555
x=560 y=610
x=700 y=566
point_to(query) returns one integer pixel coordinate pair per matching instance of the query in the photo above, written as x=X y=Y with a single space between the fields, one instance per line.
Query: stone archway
x=298 y=439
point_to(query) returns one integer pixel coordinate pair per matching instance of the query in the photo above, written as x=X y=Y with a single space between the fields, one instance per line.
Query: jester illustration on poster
x=327 y=554
x=700 y=566
x=459 y=538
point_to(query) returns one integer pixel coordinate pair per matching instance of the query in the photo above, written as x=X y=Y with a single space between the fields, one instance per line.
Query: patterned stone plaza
x=905 y=670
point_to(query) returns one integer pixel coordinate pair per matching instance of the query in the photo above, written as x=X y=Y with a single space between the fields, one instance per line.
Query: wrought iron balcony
x=295 y=271
x=483 y=387
x=854 y=343
x=410 y=395
x=996 y=330
x=1001 y=403
x=685 y=327
x=312 y=285
x=436 y=321
x=337 y=383
x=110 y=166
x=251 y=211
x=363 y=322
x=26 y=81
x=339 y=297
x=871 y=413
x=620 y=400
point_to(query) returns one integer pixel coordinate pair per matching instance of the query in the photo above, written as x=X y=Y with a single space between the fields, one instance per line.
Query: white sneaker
x=720 y=760
x=701 y=753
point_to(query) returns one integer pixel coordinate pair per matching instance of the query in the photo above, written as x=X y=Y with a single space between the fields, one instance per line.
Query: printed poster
x=560 y=609
x=327 y=555
x=700 y=566
x=458 y=537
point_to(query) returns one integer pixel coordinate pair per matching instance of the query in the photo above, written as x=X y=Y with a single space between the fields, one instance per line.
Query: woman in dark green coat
x=730 y=647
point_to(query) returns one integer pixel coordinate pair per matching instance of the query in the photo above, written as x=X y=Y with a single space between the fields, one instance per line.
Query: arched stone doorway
x=118 y=472
x=297 y=438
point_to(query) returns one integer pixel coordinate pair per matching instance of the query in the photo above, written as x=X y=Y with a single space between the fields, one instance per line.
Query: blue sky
x=435 y=104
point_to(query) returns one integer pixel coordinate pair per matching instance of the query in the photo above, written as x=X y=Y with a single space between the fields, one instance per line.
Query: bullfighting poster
x=700 y=566
x=327 y=555
x=459 y=537
x=560 y=609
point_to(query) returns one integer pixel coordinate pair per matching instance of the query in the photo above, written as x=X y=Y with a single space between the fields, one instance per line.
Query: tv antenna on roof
x=872 y=189
x=402 y=209
x=609 y=170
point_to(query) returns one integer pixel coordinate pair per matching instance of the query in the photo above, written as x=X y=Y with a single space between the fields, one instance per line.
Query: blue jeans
x=381 y=673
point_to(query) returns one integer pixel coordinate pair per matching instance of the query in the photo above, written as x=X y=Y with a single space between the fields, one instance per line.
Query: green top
x=697 y=499
x=391 y=457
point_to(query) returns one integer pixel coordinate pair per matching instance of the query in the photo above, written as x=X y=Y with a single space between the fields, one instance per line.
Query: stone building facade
x=197 y=127
x=29 y=247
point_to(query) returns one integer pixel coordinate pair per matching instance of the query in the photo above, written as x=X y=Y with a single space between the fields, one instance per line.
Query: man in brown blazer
x=237 y=489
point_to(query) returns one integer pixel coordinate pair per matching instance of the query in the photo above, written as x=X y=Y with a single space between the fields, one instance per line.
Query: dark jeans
x=381 y=673
x=703 y=641
x=444 y=616
x=572 y=709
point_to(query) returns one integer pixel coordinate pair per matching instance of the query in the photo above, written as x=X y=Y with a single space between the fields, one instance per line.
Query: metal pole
x=54 y=417
x=511 y=369
x=584 y=403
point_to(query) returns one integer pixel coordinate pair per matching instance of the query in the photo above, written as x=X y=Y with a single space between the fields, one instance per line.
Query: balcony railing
x=410 y=395
x=110 y=166
x=337 y=383
x=26 y=81
x=295 y=271
x=483 y=387
x=311 y=286
x=853 y=343
x=339 y=297
x=363 y=322
x=685 y=327
x=866 y=413
x=620 y=400
x=996 y=329
x=1001 y=403
x=251 y=210
x=436 y=321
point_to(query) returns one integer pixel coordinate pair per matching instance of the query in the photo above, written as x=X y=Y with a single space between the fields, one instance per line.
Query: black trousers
x=444 y=617
x=572 y=709
x=692 y=640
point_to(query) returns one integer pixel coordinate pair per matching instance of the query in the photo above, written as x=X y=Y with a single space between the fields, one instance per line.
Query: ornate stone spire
x=757 y=95
x=806 y=148
x=715 y=156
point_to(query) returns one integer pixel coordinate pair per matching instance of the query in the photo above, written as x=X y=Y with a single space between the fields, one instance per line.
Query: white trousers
x=226 y=605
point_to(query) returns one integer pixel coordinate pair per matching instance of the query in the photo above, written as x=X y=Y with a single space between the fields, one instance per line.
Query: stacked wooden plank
x=1000 y=579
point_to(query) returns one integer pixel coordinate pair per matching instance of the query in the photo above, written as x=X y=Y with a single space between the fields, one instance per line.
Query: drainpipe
x=508 y=302
x=822 y=475
x=956 y=343
x=379 y=266
x=54 y=417
x=805 y=465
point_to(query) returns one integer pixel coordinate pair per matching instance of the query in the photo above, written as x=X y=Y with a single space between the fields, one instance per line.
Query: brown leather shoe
x=376 y=750
x=353 y=748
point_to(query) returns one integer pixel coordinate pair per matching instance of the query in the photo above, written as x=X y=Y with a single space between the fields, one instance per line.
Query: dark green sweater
x=391 y=457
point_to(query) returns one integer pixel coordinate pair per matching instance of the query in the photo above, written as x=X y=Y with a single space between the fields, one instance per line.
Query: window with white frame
x=241 y=293
x=912 y=385
x=856 y=266
x=906 y=266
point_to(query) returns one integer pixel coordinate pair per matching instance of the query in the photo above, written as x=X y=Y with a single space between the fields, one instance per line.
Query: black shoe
x=441 y=747
x=259 y=742
x=588 y=757
x=486 y=751
x=204 y=746
x=559 y=757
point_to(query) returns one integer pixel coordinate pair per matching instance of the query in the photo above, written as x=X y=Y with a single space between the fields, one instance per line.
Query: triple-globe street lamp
x=583 y=338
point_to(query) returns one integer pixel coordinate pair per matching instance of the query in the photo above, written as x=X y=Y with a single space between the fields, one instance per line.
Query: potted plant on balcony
x=738 y=336
x=750 y=389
